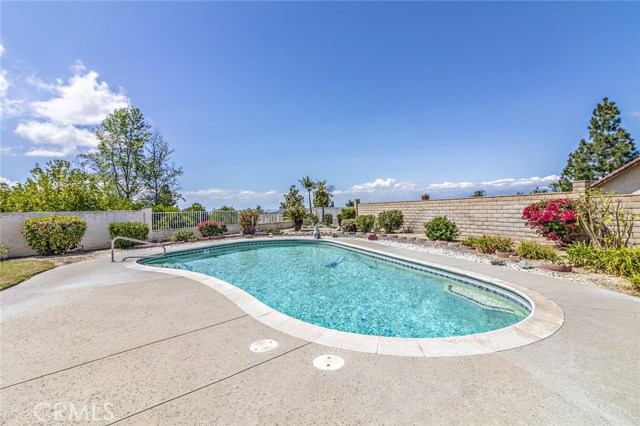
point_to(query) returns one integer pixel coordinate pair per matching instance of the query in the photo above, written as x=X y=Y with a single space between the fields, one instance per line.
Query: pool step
x=474 y=296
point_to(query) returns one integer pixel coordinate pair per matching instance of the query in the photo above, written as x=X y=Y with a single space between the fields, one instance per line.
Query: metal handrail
x=135 y=241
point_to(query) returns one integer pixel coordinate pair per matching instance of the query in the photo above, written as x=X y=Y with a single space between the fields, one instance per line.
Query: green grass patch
x=15 y=271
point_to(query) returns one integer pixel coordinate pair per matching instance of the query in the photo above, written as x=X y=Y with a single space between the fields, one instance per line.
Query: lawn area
x=15 y=271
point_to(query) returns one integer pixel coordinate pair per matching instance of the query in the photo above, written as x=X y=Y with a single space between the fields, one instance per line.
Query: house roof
x=617 y=172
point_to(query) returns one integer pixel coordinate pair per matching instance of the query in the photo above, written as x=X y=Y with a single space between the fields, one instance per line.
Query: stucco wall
x=96 y=236
x=624 y=183
x=484 y=215
x=97 y=233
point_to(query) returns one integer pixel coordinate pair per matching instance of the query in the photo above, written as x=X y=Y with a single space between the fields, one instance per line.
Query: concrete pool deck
x=140 y=347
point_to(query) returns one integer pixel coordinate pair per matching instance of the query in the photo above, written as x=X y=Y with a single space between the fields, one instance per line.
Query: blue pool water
x=347 y=290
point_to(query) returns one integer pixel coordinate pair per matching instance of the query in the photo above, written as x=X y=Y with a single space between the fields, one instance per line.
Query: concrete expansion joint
x=588 y=308
x=125 y=351
x=215 y=382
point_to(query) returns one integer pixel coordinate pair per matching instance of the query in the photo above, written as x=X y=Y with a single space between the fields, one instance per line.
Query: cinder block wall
x=501 y=215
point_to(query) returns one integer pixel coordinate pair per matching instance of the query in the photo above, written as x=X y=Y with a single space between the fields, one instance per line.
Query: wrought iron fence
x=271 y=218
x=334 y=211
x=163 y=221
x=168 y=221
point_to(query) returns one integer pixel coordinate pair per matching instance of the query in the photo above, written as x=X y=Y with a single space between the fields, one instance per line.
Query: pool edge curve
x=545 y=318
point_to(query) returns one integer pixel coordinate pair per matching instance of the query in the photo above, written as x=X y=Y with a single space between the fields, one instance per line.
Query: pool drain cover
x=263 y=345
x=328 y=362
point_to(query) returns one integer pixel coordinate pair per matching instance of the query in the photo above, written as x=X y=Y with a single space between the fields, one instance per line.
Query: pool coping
x=545 y=319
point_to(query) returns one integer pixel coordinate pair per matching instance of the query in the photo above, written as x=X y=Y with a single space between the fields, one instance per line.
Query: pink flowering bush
x=554 y=219
x=211 y=228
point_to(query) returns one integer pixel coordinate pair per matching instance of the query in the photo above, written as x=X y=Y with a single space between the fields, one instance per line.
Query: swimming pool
x=356 y=291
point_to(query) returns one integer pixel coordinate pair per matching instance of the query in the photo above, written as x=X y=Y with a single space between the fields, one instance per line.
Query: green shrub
x=484 y=245
x=4 y=252
x=441 y=228
x=470 y=241
x=137 y=230
x=310 y=220
x=583 y=254
x=349 y=225
x=365 y=222
x=211 y=228
x=391 y=220
x=274 y=231
x=623 y=261
x=161 y=208
x=181 y=236
x=492 y=243
x=339 y=217
x=499 y=243
x=50 y=235
x=195 y=207
x=327 y=219
x=247 y=220
x=536 y=251
x=348 y=213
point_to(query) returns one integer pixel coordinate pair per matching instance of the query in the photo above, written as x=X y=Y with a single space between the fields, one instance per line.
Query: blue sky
x=384 y=100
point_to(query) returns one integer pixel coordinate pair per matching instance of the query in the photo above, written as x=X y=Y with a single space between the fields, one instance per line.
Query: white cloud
x=11 y=107
x=9 y=150
x=4 y=83
x=60 y=126
x=237 y=198
x=78 y=67
x=58 y=140
x=377 y=186
x=34 y=81
x=7 y=181
x=520 y=183
x=635 y=113
x=8 y=107
x=390 y=188
x=374 y=186
x=83 y=101
x=448 y=186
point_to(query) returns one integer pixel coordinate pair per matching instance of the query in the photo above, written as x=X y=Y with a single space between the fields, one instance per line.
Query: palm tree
x=297 y=213
x=323 y=195
x=308 y=184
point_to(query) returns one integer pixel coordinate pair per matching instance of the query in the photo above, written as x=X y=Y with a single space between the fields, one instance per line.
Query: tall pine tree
x=609 y=147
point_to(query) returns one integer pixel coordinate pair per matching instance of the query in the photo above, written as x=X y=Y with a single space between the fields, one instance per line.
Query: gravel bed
x=431 y=248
